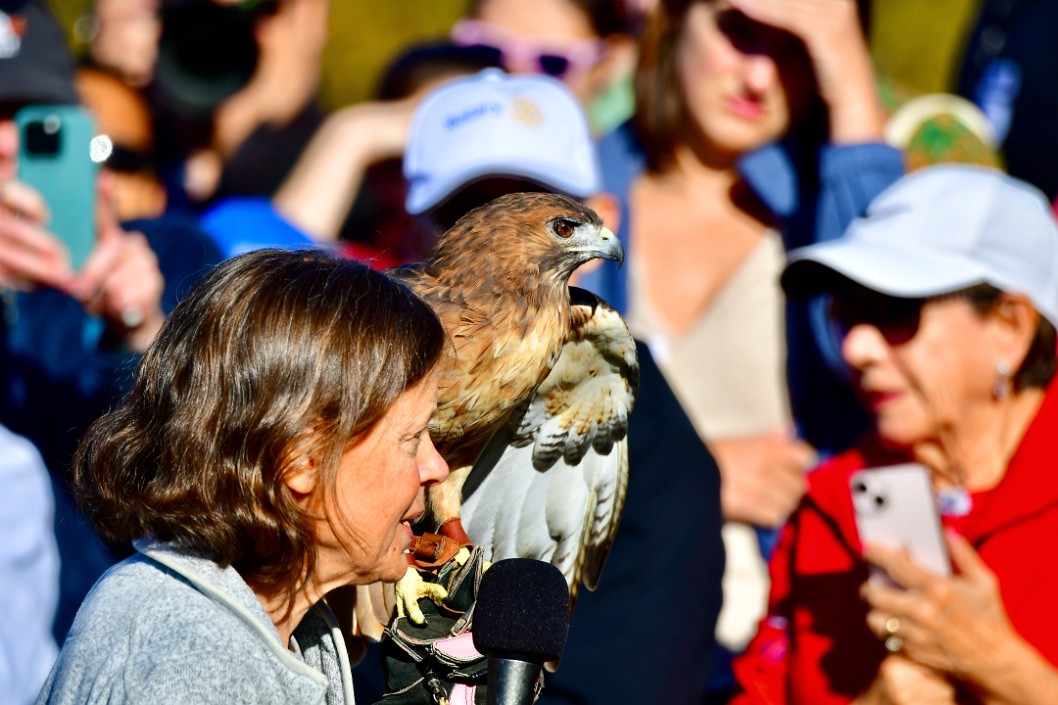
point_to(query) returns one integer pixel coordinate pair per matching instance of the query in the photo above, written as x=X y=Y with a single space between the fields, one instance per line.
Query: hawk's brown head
x=523 y=238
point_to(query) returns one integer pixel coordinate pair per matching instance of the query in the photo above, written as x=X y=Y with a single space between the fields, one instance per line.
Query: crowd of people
x=220 y=416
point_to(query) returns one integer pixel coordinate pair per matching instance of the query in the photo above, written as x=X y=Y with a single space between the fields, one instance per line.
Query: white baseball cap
x=938 y=230
x=494 y=124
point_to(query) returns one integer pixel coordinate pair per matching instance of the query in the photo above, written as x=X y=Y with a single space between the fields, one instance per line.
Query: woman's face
x=743 y=83
x=921 y=382
x=380 y=488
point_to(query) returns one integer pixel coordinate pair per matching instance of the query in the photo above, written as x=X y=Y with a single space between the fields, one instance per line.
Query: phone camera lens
x=859 y=487
x=43 y=137
x=879 y=501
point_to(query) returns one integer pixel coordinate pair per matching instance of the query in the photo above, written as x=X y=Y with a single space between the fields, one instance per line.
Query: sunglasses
x=511 y=49
x=897 y=319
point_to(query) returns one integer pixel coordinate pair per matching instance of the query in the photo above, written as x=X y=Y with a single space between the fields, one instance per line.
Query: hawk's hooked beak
x=612 y=248
x=606 y=246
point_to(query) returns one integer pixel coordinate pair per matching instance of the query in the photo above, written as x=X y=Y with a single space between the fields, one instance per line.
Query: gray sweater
x=166 y=627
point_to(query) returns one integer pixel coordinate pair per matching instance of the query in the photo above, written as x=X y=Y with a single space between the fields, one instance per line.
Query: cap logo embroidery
x=472 y=113
x=525 y=112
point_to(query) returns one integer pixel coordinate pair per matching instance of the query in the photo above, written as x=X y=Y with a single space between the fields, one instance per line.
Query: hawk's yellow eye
x=564 y=228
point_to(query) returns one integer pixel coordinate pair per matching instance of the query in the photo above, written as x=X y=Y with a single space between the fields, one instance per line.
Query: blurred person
x=261 y=131
x=68 y=337
x=377 y=213
x=275 y=446
x=346 y=188
x=1009 y=69
x=233 y=85
x=472 y=140
x=29 y=571
x=122 y=272
x=945 y=297
x=121 y=36
x=235 y=92
x=758 y=128
x=354 y=154
x=123 y=115
x=587 y=44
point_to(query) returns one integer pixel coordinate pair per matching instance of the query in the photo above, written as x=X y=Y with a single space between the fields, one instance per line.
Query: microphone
x=521 y=620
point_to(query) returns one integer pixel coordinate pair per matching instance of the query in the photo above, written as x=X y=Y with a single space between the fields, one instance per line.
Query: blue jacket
x=814 y=195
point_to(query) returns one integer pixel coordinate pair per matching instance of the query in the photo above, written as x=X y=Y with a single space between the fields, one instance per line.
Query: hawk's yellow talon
x=412 y=588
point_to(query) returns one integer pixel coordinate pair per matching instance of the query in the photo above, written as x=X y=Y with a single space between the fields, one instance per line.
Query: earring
x=1002 y=379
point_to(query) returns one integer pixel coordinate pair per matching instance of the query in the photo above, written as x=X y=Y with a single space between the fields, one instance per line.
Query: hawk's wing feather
x=551 y=483
x=484 y=368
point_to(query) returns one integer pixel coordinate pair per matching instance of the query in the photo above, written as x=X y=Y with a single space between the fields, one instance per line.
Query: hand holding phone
x=29 y=255
x=895 y=506
x=54 y=158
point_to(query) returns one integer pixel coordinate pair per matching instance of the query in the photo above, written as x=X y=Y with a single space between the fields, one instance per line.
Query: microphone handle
x=511 y=681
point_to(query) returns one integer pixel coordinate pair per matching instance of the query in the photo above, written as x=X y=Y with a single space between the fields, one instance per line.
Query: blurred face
x=126 y=38
x=743 y=83
x=538 y=36
x=379 y=489
x=922 y=369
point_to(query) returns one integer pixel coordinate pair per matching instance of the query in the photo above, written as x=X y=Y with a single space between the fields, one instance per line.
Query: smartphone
x=54 y=158
x=895 y=506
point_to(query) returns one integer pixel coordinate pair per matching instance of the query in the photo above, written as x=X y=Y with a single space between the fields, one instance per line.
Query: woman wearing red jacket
x=946 y=297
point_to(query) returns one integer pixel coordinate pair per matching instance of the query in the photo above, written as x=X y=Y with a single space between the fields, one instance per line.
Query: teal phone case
x=54 y=158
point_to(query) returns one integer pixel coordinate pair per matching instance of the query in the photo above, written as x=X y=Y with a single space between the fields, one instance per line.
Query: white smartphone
x=895 y=506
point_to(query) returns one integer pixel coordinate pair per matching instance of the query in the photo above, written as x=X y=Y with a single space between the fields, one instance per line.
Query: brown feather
x=498 y=279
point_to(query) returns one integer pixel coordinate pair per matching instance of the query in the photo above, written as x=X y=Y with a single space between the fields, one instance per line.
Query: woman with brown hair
x=757 y=128
x=274 y=447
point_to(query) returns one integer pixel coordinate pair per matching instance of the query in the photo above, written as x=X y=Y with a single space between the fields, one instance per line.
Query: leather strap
x=431 y=551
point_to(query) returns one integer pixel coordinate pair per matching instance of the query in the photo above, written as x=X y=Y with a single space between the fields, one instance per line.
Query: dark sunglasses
x=896 y=318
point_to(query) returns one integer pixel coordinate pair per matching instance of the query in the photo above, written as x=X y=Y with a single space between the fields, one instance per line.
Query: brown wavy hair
x=660 y=114
x=274 y=357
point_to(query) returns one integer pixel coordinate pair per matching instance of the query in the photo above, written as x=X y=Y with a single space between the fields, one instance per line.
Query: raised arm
x=831 y=33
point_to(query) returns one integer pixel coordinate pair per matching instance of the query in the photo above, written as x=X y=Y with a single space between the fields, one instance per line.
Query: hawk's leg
x=453 y=529
x=446 y=502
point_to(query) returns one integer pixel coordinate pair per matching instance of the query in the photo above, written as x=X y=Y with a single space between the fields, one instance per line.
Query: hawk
x=535 y=388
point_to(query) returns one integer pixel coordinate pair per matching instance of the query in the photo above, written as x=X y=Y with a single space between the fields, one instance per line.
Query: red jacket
x=814 y=647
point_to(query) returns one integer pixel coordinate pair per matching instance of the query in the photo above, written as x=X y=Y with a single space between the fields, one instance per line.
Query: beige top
x=728 y=371
x=729 y=368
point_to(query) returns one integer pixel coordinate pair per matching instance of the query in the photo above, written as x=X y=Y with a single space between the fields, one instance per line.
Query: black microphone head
x=522 y=608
